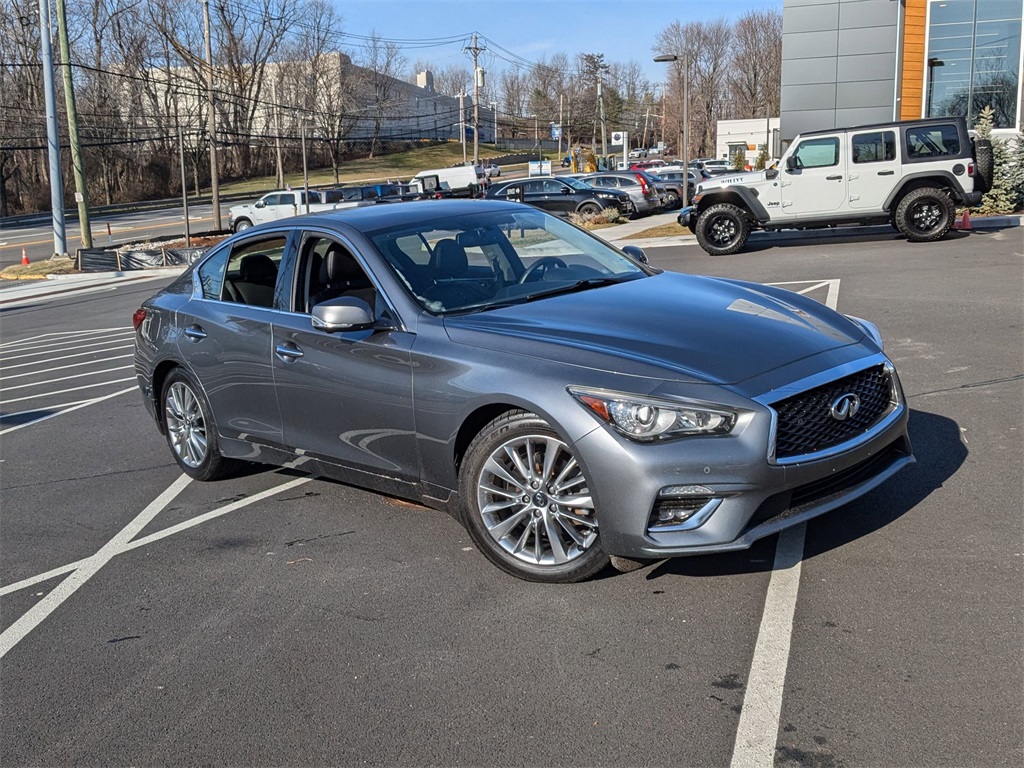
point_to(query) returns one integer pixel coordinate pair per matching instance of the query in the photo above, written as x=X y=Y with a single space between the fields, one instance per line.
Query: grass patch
x=38 y=270
x=395 y=166
x=672 y=229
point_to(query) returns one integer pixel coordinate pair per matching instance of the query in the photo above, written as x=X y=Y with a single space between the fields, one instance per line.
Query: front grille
x=806 y=424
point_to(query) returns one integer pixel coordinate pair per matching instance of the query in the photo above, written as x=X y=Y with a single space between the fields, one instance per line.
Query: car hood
x=669 y=326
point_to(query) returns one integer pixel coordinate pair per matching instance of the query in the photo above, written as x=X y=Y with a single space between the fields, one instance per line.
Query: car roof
x=373 y=217
x=892 y=125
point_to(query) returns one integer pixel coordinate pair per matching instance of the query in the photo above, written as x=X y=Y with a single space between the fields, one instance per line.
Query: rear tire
x=925 y=214
x=190 y=429
x=723 y=229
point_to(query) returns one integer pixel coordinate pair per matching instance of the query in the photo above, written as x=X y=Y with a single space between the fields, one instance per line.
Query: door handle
x=195 y=333
x=833 y=178
x=886 y=173
x=288 y=352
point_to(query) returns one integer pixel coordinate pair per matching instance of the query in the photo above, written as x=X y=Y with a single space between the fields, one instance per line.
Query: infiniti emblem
x=845 y=406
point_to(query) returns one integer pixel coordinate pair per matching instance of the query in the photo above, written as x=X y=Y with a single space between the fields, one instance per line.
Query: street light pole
x=684 y=139
x=60 y=237
x=212 y=119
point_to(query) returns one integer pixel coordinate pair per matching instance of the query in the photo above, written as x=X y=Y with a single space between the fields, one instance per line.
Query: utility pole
x=494 y=114
x=600 y=100
x=277 y=131
x=476 y=100
x=647 y=120
x=81 y=190
x=212 y=119
x=184 y=188
x=462 y=125
x=305 y=169
x=60 y=235
x=561 y=124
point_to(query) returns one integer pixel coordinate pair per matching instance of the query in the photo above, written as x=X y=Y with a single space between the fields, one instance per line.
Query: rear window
x=874 y=147
x=929 y=141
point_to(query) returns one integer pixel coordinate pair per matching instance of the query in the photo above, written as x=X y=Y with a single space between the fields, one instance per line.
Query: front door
x=816 y=183
x=345 y=397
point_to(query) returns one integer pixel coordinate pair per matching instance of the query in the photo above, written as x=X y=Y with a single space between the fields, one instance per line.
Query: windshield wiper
x=579 y=285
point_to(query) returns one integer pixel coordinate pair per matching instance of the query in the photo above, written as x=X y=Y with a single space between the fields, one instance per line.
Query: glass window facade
x=973 y=59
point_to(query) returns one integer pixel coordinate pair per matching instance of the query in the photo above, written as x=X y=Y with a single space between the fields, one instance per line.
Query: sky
x=622 y=30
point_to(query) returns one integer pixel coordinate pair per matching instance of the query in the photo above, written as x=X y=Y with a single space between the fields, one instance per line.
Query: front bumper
x=751 y=497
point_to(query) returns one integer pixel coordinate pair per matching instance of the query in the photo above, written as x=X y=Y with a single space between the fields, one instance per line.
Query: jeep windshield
x=498 y=258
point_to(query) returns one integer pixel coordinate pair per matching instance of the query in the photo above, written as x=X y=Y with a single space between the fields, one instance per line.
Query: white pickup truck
x=273 y=206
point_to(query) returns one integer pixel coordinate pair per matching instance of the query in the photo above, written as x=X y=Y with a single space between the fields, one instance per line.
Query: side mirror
x=771 y=173
x=792 y=163
x=636 y=252
x=260 y=204
x=346 y=313
x=566 y=191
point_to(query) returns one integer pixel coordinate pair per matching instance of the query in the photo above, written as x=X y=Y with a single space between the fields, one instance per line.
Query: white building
x=746 y=137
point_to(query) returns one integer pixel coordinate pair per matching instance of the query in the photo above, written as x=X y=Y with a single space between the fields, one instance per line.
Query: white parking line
x=64 y=335
x=83 y=570
x=66 y=378
x=59 y=367
x=65 y=391
x=89 y=567
x=65 y=408
x=758 y=730
x=78 y=346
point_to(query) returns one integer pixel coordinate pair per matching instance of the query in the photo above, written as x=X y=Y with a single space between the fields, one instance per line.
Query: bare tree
x=755 y=70
x=382 y=62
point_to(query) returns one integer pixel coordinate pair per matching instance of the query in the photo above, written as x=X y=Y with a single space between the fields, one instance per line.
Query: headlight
x=869 y=328
x=647 y=418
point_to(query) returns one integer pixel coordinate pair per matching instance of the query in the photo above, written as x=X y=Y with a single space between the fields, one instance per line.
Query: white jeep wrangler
x=910 y=174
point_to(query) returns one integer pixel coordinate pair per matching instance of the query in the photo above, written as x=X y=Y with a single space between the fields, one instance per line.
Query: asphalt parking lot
x=274 y=619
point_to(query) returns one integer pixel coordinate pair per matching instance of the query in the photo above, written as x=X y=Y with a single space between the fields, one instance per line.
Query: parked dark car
x=565 y=400
x=561 y=195
x=672 y=181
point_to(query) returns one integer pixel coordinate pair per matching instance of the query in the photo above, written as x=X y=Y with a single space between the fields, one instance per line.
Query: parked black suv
x=561 y=196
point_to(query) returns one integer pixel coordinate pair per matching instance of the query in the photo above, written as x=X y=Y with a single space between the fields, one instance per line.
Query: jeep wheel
x=722 y=229
x=925 y=214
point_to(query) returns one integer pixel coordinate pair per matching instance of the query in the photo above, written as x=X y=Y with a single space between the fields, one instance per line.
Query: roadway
x=274 y=619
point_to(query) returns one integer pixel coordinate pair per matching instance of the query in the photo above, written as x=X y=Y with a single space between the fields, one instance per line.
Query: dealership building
x=855 y=62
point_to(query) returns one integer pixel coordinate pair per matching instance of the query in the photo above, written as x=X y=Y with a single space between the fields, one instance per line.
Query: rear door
x=227 y=329
x=874 y=168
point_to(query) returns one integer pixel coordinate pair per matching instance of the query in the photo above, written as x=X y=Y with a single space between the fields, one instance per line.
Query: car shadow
x=939 y=450
x=770 y=240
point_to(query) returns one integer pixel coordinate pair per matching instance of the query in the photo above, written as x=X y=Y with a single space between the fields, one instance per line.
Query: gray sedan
x=566 y=401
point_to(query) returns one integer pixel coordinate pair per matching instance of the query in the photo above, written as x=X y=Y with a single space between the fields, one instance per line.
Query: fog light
x=682 y=513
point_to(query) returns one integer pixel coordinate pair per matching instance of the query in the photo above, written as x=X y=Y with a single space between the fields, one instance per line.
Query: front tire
x=242 y=224
x=190 y=429
x=723 y=229
x=925 y=214
x=527 y=504
x=589 y=209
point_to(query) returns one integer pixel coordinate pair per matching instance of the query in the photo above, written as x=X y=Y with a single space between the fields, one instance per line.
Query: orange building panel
x=912 y=60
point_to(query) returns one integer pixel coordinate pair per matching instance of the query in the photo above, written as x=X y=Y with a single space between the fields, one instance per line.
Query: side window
x=929 y=141
x=211 y=274
x=874 y=147
x=288 y=199
x=330 y=271
x=532 y=187
x=818 y=153
x=252 y=271
x=271 y=199
x=552 y=187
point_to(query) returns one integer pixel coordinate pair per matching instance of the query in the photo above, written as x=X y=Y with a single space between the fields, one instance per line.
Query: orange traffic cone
x=24 y=258
x=965 y=220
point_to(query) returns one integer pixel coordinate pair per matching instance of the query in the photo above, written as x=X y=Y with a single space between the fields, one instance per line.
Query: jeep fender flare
x=741 y=197
x=923 y=179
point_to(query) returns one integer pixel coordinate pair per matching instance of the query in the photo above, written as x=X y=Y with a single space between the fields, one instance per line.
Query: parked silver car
x=564 y=399
x=643 y=195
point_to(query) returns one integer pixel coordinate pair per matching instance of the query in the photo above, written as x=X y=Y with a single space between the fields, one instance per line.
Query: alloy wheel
x=722 y=230
x=534 y=501
x=925 y=215
x=186 y=424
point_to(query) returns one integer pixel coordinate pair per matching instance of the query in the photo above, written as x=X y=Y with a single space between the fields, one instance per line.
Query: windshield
x=496 y=258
